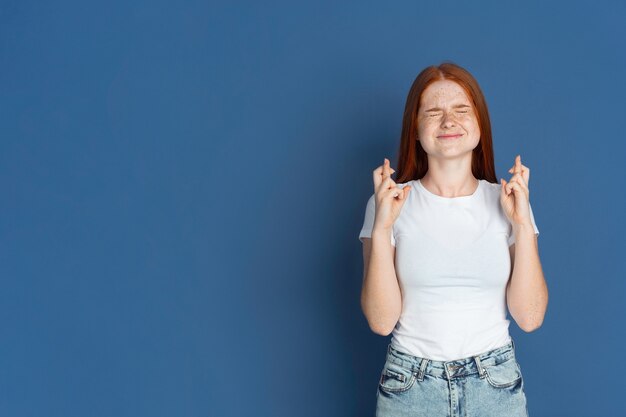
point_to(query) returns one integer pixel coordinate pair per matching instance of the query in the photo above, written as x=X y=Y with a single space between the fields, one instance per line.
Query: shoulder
x=492 y=194
x=491 y=187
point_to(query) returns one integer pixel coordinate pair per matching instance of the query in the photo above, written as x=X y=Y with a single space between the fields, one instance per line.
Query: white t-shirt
x=453 y=264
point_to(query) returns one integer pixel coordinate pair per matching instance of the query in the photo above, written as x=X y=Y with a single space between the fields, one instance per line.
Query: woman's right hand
x=389 y=198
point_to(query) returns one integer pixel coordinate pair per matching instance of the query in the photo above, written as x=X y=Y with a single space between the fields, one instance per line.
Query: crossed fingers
x=383 y=181
x=519 y=168
x=521 y=176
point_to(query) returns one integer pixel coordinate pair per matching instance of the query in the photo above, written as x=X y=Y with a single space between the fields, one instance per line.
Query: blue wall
x=183 y=184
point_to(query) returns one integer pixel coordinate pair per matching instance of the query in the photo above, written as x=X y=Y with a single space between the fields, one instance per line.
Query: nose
x=448 y=120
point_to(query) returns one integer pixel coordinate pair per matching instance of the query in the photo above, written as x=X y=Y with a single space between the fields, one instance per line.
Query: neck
x=445 y=186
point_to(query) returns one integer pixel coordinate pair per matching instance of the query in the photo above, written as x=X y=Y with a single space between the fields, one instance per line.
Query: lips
x=449 y=136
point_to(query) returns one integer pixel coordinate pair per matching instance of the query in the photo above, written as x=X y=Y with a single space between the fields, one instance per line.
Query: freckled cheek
x=426 y=129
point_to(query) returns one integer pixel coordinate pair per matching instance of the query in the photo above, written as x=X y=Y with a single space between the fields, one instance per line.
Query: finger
x=519 y=175
x=387 y=184
x=519 y=178
x=526 y=174
x=503 y=189
x=504 y=184
x=377 y=176
x=386 y=171
x=509 y=185
x=520 y=182
x=392 y=192
x=518 y=164
x=517 y=189
x=524 y=167
x=525 y=170
x=389 y=169
x=405 y=191
x=509 y=188
x=516 y=178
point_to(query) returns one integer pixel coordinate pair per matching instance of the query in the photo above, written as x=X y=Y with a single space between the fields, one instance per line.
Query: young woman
x=446 y=250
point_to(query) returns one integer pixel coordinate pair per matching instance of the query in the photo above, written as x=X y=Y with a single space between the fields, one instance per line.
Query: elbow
x=529 y=329
x=380 y=327
x=530 y=326
x=381 y=320
x=381 y=331
x=532 y=319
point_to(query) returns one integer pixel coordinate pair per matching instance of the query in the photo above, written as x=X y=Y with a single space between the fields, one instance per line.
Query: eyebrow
x=437 y=108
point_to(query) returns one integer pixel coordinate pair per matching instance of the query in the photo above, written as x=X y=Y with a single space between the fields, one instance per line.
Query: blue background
x=183 y=184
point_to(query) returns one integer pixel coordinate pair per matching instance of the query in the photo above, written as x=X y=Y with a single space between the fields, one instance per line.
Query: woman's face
x=447 y=124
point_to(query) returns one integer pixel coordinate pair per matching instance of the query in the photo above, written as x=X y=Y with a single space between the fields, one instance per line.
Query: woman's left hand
x=514 y=194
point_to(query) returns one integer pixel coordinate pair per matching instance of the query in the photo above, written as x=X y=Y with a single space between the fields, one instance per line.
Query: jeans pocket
x=504 y=374
x=395 y=378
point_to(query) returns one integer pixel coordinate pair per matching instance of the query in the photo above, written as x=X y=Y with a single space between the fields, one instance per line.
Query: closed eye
x=437 y=114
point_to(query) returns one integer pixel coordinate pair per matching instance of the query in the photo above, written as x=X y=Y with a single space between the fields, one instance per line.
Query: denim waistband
x=451 y=369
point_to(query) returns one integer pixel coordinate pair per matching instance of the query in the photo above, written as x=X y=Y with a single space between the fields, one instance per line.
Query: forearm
x=527 y=292
x=381 y=298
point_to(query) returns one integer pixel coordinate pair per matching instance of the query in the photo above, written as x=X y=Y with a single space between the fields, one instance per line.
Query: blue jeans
x=486 y=385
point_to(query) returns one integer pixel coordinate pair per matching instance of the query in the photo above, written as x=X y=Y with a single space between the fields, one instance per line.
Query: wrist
x=381 y=231
x=523 y=228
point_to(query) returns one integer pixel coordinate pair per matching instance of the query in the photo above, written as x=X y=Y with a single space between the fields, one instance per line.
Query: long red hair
x=412 y=159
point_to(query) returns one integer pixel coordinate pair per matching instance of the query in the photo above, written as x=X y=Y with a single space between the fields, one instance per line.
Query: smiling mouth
x=448 y=136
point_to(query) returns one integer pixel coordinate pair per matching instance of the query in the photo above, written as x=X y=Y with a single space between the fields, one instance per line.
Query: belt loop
x=422 y=371
x=481 y=370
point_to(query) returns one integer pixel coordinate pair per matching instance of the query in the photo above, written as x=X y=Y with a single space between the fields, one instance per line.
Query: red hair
x=412 y=159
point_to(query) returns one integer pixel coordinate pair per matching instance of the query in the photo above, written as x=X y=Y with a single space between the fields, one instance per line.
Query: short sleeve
x=368 y=222
x=532 y=219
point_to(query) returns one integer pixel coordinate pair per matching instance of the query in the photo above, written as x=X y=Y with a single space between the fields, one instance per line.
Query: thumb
x=502 y=186
x=405 y=192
